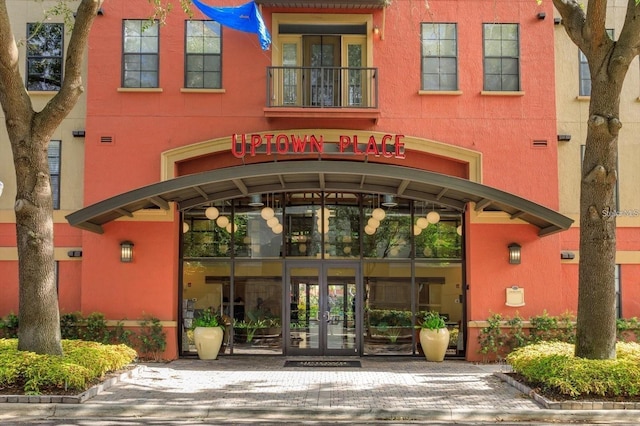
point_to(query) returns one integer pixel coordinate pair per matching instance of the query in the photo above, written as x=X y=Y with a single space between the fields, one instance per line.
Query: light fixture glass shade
x=369 y=230
x=222 y=221
x=277 y=229
x=422 y=222
x=302 y=248
x=433 y=217
x=231 y=227
x=126 y=251
x=256 y=201
x=427 y=251
x=459 y=230
x=272 y=222
x=378 y=214
x=515 y=254
x=389 y=201
x=185 y=227
x=267 y=213
x=417 y=230
x=224 y=248
x=212 y=213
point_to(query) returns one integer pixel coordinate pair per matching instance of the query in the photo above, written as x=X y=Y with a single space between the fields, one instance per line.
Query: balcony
x=322 y=92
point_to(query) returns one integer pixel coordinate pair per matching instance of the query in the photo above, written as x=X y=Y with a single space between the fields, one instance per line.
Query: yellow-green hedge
x=552 y=366
x=81 y=363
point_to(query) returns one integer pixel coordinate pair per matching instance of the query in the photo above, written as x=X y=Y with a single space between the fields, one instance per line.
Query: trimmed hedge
x=553 y=367
x=82 y=363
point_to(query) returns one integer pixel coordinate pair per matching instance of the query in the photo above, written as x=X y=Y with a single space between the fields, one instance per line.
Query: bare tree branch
x=12 y=90
x=63 y=102
x=573 y=20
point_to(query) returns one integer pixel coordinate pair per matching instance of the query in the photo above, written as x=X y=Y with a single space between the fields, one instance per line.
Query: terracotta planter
x=434 y=343
x=208 y=341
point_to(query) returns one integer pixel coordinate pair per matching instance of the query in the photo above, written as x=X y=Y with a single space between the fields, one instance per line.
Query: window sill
x=42 y=92
x=190 y=90
x=583 y=98
x=140 y=89
x=440 y=92
x=501 y=93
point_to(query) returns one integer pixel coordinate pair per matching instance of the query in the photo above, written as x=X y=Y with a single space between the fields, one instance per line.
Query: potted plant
x=434 y=336
x=208 y=333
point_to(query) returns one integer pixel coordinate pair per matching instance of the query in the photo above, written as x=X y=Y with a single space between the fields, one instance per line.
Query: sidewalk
x=235 y=387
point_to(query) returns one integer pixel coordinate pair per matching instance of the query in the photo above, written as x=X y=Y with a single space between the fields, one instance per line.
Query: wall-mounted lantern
x=515 y=254
x=126 y=251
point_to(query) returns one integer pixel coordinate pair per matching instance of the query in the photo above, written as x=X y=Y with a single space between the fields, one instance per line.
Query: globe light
x=347 y=250
x=394 y=251
x=224 y=248
x=185 y=227
x=378 y=214
x=211 y=213
x=267 y=213
x=369 y=230
x=222 y=221
x=302 y=248
x=422 y=222
x=231 y=227
x=277 y=229
x=246 y=240
x=417 y=230
x=272 y=222
x=427 y=251
x=373 y=222
x=433 y=217
x=459 y=230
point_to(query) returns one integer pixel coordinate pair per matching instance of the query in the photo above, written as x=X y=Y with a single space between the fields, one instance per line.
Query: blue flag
x=245 y=18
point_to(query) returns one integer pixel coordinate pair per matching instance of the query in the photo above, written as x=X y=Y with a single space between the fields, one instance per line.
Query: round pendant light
x=433 y=217
x=211 y=213
x=378 y=214
x=273 y=221
x=369 y=230
x=267 y=213
x=222 y=221
x=373 y=222
x=422 y=222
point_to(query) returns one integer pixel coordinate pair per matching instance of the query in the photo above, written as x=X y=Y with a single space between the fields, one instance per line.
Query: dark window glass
x=140 y=54
x=44 y=56
x=501 y=57
x=203 y=49
x=439 y=57
x=54 y=171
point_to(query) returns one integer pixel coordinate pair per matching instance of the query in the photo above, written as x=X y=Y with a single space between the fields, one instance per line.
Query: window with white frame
x=439 y=56
x=203 y=50
x=585 y=73
x=44 y=56
x=501 y=57
x=53 y=152
x=140 y=54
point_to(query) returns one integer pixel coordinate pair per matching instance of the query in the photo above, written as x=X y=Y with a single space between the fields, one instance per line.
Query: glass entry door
x=322 y=309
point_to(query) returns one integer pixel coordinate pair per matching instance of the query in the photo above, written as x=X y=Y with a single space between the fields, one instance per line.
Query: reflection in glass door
x=322 y=309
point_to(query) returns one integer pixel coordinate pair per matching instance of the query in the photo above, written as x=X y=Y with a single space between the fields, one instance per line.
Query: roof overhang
x=325 y=4
x=308 y=176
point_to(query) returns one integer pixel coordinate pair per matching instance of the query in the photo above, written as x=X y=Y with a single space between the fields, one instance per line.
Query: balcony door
x=321 y=55
x=323 y=71
x=322 y=309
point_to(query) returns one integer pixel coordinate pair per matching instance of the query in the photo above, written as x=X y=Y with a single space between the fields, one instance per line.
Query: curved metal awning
x=308 y=176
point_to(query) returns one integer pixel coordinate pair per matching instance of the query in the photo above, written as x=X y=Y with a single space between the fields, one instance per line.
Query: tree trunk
x=39 y=318
x=596 y=321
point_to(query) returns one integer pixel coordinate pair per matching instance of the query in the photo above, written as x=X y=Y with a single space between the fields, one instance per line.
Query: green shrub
x=153 y=340
x=9 y=326
x=70 y=325
x=82 y=363
x=553 y=367
x=95 y=329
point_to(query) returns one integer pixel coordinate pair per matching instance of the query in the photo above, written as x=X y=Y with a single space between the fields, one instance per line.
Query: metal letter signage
x=388 y=146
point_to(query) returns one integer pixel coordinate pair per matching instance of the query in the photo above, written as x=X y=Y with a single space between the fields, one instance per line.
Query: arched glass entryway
x=322 y=273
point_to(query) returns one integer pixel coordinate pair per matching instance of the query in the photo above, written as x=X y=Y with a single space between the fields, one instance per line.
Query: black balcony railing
x=322 y=87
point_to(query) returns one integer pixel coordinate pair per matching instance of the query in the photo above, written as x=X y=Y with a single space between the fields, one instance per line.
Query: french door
x=323 y=308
